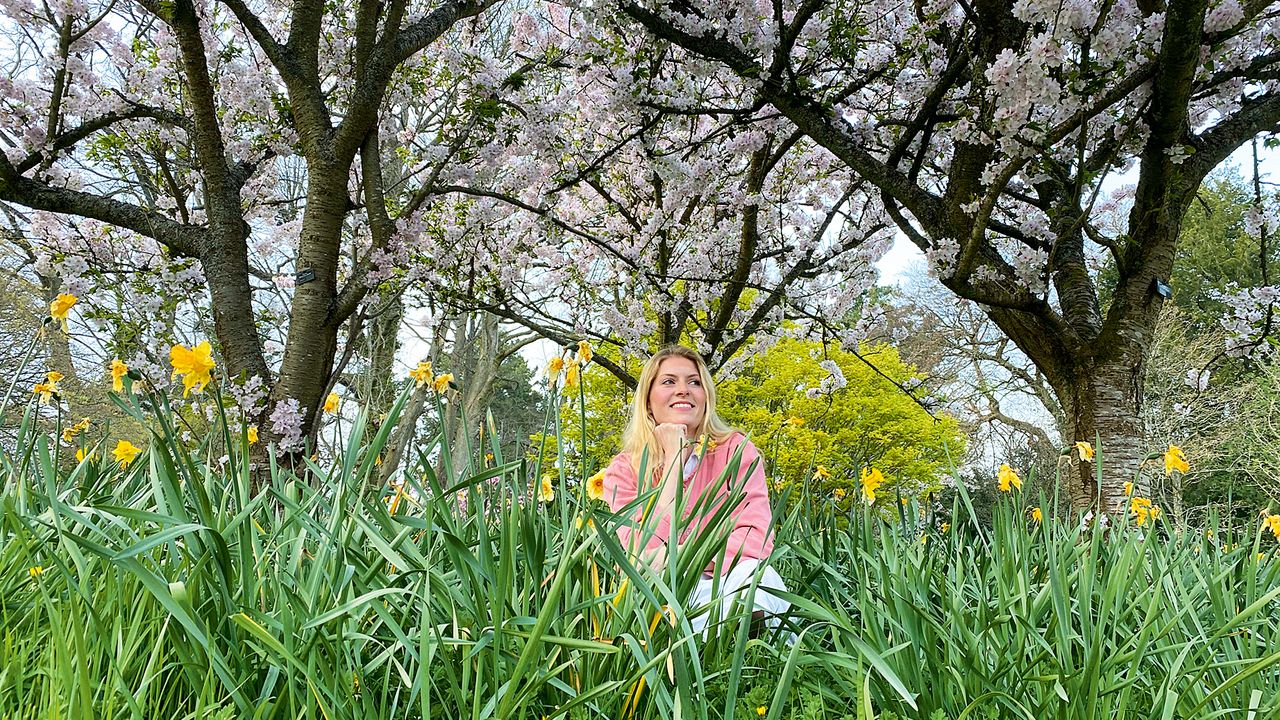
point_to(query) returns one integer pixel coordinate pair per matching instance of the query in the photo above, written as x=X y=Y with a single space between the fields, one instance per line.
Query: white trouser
x=734 y=588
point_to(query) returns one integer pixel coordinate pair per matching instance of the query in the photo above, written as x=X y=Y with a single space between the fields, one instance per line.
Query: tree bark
x=1103 y=404
x=312 y=341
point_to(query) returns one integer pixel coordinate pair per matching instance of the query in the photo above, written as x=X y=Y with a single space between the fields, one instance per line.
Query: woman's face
x=677 y=394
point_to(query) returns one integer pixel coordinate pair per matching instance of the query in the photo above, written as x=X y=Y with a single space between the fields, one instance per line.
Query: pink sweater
x=752 y=518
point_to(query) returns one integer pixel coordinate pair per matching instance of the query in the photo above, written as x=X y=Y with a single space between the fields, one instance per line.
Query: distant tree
x=806 y=405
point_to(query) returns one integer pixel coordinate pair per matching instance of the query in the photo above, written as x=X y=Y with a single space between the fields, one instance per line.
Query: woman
x=675 y=403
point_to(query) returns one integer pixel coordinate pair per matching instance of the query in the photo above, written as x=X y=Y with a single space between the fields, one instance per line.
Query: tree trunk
x=313 y=334
x=1103 y=404
x=475 y=358
x=382 y=343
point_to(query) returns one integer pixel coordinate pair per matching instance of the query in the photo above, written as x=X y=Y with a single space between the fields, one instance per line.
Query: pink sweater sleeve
x=753 y=518
x=620 y=489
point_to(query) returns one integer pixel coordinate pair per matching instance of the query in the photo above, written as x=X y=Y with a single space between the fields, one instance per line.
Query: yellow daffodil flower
x=1272 y=523
x=442 y=383
x=761 y=710
x=60 y=306
x=1037 y=514
x=1009 y=479
x=252 y=434
x=1142 y=511
x=45 y=390
x=553 y=369
x=422 y=374
x=118 y=371
x=946 y=526
x=871 y=480
x=1128 y=489
x=584 y=352
x=838 y=494
x=332 y=402
x=547 y=491
x=54 y=377
x=194 y=365
x=821 y=473
x=80 y=455
x=571 y=377
x=1175 y=459
x=1085 y=450
x=125 y=453
x=595 y=486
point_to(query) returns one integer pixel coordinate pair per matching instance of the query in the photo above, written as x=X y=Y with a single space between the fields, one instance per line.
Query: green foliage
x=186 y=588
x=868 y=423
x=1214 y=251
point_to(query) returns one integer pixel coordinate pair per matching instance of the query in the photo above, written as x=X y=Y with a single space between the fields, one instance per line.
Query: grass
x=183 y=587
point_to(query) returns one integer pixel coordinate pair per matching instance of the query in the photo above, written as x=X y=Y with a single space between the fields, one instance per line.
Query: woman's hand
x=671 y=438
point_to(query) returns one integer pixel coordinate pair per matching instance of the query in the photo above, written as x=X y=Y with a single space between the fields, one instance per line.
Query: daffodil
x=1085 y=450
x=1009 y=479
x=54 y=377
x=1037 y=514
x=1142 y=510
x=1128 y=489
x=546 y=491
x=81 y=455
x=871 y=480
x=821 y=473
x=422 y=374
x=1175 y=459
x=194 y=365
x=553 y=369
x=595 y=486
x=125 y=453
x=60 y=306
x=571 y=377
x=118 y=371
x=35 y=571
x=945 y=526
x=442 y=383
x=252 y=434
x=1272 y=523
x=704 y=445
x=332 y=402
x=45 y=390
x=839 y=493
x=584 y=352
x=761 y=710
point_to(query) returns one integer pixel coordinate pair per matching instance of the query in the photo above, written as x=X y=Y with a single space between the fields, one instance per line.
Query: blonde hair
x=640 y=435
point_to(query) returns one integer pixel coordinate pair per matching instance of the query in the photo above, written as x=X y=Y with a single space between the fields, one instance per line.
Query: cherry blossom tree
x=988 y=129
x=593 y=209
x=232 y=143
